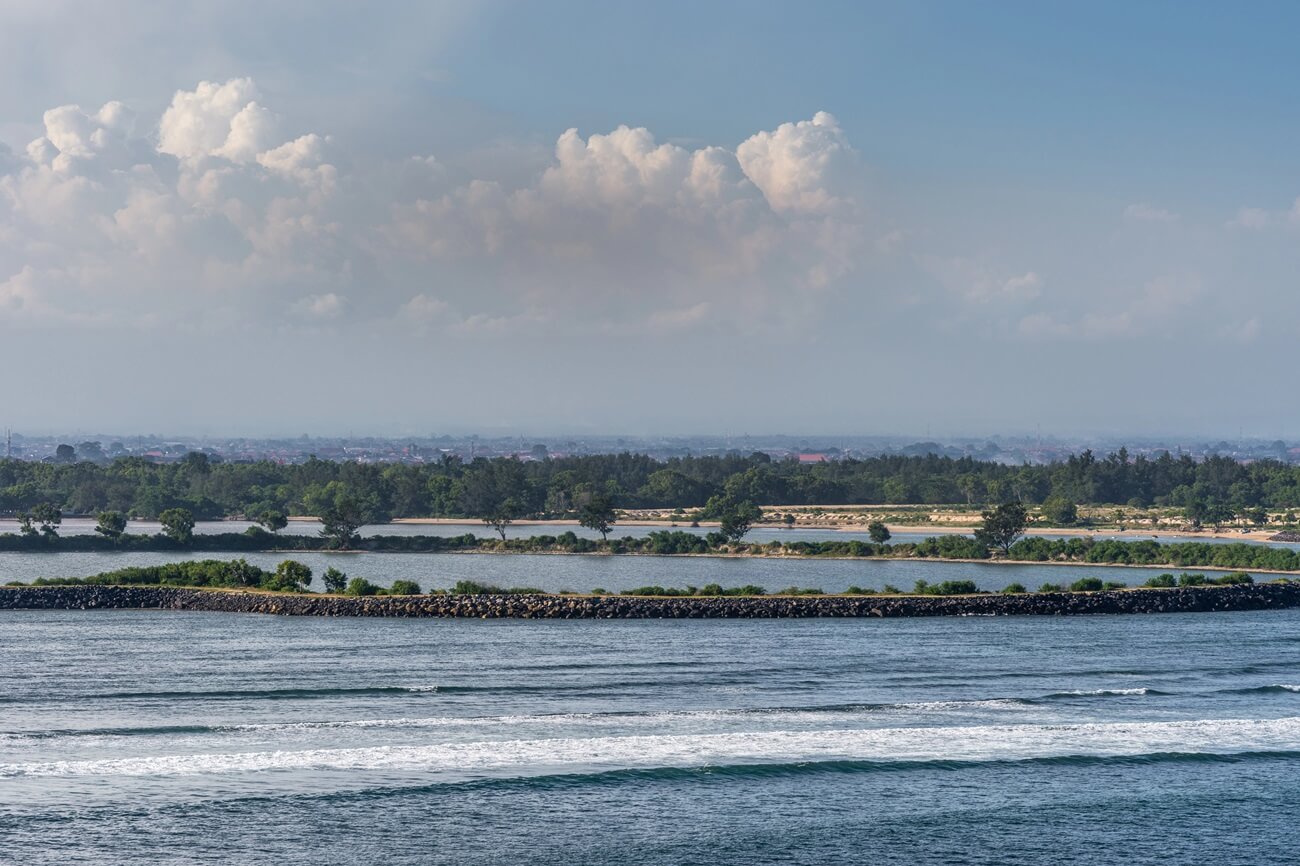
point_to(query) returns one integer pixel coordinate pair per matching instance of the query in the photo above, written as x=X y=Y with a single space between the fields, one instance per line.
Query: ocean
x=179 y=738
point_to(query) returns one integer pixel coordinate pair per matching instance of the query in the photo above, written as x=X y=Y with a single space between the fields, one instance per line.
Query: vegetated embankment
x=1268 y=596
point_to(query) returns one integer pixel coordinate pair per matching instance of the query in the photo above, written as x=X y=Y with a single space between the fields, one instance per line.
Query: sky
x=266 y=218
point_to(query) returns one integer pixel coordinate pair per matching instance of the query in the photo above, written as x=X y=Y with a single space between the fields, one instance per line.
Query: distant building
x=813 y=458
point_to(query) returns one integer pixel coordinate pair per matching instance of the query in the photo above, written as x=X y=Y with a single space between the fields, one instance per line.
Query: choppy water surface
x=169 y=737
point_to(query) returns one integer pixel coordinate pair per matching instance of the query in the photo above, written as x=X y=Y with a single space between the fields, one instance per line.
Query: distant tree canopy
x=560 y=486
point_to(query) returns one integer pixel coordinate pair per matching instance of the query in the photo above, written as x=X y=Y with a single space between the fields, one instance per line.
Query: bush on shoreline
x=948 y=587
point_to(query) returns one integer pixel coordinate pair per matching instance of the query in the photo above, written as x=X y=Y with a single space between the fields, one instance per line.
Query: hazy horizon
x=584 y=219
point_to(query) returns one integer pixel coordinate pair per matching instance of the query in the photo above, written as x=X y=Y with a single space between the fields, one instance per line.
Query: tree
x=47 y=515
x=501 y=516
x=404 y=587
x=243 y=574
x=1257 y=516
x=271 y=520
x=291 y=576
x=736 y=519
x=878 y=531
x=1060 y=510
x=598 y=516
x=970 y=485
x=1121 y=518
x=65 y=454
x=178 y=524
x=1002 y=526
x=1218 y=514
x=335 y=581
x=92 y=451
x=111 y=524
x=341 y=515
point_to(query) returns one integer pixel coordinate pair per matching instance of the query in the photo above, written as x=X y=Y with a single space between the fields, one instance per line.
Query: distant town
x=1009 y=450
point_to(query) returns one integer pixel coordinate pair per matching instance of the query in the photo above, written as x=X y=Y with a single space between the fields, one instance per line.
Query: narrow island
x=238 y=587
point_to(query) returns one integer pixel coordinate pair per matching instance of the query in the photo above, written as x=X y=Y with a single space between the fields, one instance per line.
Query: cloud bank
x=216 y=212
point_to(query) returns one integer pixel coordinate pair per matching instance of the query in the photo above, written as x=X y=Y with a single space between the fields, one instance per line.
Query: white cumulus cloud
x=799 y=166
x=221 y=120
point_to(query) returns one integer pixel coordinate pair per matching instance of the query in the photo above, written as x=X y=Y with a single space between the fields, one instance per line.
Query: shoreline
x=1126 y=601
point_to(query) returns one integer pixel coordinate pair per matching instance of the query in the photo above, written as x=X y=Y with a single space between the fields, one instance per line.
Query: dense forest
x=212 y=489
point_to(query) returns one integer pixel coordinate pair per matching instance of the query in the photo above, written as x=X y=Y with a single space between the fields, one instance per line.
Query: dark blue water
x=131 y=737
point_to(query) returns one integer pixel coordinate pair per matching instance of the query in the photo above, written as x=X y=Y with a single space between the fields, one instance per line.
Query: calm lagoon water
x=583 y=573
x=180 y=738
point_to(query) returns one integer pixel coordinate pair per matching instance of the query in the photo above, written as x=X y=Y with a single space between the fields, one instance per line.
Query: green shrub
x=473 y=587
x=1014 y=589
x=359 y=586
x=290 y=576
x=800 y=590
x=1050 y=587
x=707 y=590
x=948 y=587
x=1115 y=584
x=1163 y=581
x=1186 y=579
x=1234 y=578
x=1087 y=584
x=857 y=590
x=335 y=581
x=890 y=589
x=404 y=587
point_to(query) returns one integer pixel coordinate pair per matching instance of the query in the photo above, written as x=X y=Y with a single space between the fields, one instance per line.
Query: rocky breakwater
x=1180 y=600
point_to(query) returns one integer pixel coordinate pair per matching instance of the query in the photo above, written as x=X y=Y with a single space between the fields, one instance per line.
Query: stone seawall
x=1181 y=600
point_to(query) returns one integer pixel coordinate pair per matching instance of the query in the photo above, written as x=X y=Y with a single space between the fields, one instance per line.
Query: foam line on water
x=837 y=713
x=560 y=756
x=1106 y=693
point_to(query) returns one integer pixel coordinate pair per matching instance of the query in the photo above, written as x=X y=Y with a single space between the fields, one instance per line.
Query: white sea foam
x=1102 y=692
x=1289 y=687
x=776 y=715
x=623 y=721
x=570 y=755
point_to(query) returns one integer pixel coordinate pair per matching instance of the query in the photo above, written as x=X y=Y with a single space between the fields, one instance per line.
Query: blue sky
x=830 y=217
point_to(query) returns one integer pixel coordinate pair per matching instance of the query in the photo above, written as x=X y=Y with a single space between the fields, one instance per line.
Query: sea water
x=180 y=737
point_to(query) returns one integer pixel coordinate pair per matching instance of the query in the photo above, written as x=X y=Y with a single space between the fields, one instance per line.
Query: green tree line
x=500 y=489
